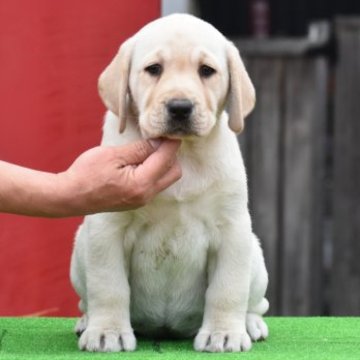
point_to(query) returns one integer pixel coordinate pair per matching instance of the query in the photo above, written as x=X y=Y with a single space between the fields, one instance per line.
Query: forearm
x=30 y=192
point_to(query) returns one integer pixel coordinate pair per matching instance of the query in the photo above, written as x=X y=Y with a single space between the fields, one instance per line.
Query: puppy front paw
x=107 y=340
x=222 y=341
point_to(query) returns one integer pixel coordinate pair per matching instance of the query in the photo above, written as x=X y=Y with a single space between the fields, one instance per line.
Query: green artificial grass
x=290 y=338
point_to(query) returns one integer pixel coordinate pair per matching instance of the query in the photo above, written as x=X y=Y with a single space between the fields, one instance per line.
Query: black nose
x=179 y=109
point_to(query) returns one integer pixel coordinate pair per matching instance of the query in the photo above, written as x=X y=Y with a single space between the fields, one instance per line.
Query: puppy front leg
x=224 y=323
x=108 y=297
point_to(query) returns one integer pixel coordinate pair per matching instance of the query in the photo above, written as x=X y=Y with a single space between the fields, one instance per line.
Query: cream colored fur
x=188 y=263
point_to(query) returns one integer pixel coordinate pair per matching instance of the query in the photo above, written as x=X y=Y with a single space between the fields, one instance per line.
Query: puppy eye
x=206 y=71
x=154 y=69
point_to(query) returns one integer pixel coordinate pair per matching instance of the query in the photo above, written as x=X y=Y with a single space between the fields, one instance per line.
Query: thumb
x=137 y=152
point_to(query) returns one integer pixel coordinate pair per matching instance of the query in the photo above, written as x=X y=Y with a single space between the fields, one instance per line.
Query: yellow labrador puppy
x=188 y=263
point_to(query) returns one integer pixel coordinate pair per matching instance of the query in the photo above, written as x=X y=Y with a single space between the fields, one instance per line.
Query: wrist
x=65 y=196
x=47 y=196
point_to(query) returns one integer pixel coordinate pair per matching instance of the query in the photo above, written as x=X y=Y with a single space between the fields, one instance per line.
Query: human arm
x=101 y=179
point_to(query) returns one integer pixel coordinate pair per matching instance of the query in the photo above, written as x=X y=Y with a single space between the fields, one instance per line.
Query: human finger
x=134 y=153
x=160 y=161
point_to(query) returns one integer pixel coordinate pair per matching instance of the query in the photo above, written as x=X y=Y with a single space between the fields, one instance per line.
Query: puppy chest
x=168 y=270
x=172 y=235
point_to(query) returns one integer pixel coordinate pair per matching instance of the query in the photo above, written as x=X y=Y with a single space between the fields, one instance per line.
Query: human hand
x=118 y=178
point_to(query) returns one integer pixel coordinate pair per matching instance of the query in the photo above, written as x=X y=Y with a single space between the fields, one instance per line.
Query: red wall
x=51 y=53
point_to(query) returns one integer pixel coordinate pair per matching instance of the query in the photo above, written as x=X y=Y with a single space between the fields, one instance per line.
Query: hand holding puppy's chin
x=156 y=142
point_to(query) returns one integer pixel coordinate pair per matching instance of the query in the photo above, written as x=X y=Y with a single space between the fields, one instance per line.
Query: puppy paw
x=107 y=340
x=256 y=327
x=222 y=341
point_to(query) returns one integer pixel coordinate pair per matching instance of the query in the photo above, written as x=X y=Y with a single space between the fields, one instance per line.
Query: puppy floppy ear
x=241 y=91
x=113 y=83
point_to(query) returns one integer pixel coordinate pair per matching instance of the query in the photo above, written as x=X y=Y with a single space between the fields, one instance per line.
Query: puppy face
x=176 y=75
x=179 y=88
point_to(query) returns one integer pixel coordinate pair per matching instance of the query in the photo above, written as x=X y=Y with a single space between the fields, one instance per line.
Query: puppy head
x=177 y=74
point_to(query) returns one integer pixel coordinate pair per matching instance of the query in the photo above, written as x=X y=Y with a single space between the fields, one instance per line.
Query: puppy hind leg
x=255 y=324
x=258 y=304
x=79 y=283
x=81 y=324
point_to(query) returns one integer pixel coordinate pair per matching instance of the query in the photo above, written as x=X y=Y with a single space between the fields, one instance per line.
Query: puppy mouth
x=175 y=135
x=179 y=131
